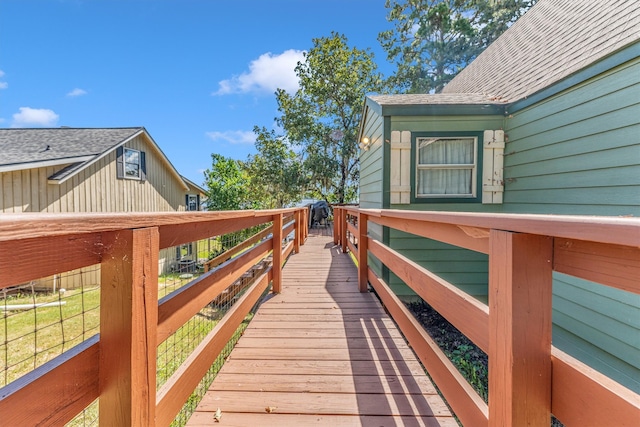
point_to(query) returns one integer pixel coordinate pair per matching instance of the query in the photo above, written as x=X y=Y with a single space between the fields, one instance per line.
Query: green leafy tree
x=322 y=117
x=434 y=39
x=228 y=185
x=276 y=171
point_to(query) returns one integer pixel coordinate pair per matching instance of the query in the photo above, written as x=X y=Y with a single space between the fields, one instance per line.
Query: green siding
x=579 y=151
x=371 y=162
x=466 y=269
x=371 y=175
x=576 y=152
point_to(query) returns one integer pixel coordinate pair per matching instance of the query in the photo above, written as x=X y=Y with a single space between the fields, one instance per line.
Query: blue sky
x=198 y=75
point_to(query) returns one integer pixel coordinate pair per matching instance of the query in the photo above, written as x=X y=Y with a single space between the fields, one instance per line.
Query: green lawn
x=31 y=337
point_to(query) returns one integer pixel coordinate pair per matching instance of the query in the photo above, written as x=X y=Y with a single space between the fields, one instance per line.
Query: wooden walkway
x=321 y=353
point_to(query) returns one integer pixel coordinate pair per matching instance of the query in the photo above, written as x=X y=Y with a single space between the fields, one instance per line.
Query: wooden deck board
x=321 y=353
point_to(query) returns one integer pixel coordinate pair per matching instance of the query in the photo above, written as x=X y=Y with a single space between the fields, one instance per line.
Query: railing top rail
x=614 y=230
x=30 y=225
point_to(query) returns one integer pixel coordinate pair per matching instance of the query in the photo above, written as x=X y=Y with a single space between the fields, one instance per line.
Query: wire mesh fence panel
x=176 y=348
x=42 y=319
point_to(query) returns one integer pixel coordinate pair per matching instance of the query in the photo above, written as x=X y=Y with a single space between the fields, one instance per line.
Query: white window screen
x=446 y=167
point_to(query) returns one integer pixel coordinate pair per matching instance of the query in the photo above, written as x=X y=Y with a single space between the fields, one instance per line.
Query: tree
x=276 y=171
x=434 y=39
x=322 y=117
x=229 y=185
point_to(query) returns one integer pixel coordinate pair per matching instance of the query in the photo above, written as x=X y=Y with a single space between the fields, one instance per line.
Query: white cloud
x=266 y=74
x=34 y=117
x=234 y=136
x=77 y=92
x=3 y=85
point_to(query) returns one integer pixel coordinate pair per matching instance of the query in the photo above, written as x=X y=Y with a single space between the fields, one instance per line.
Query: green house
x=546 y=120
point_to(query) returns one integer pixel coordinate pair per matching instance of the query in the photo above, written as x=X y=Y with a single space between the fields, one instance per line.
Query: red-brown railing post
x=520 y=268
x=343 y=230
x=305 y=228
x=128 y=327
x=336 y=225
x=297 y=231
x=277 y=253
x=363 y=268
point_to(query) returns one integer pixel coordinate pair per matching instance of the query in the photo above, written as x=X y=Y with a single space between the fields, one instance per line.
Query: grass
x=31 y=337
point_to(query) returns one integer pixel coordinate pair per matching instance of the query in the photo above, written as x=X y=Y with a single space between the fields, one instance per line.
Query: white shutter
x=492 y=167
x=400 y=167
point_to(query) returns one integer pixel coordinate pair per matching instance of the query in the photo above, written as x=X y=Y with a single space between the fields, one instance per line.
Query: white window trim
x=124 y=164
x=473 y=167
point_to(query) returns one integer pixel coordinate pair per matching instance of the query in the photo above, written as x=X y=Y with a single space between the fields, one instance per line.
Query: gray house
x=546 y=120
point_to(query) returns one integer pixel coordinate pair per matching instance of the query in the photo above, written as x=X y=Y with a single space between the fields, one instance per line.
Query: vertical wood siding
x=94 y=189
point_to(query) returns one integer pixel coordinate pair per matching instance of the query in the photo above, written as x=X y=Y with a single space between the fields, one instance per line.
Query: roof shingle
x=20 y=146
x=553 y=40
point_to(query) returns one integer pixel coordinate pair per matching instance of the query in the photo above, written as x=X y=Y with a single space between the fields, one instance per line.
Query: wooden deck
x=321 y=353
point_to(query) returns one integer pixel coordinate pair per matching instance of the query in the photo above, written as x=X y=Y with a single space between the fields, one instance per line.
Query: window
x=446 y=167
x=130 y=164
x=184 y=251
x=192 y=202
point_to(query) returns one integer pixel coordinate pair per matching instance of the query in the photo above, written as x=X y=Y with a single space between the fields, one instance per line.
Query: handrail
x=528 y=378
x=119 y=364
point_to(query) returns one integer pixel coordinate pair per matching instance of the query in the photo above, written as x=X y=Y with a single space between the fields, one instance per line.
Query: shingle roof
x=553 y=40
x=20 y=146
x=75 y=147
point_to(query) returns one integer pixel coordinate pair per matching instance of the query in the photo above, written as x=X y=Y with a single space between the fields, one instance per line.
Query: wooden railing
x=119 y=365
x=529 y=379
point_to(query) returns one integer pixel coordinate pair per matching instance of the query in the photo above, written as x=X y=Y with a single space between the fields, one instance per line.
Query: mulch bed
x=456 y=345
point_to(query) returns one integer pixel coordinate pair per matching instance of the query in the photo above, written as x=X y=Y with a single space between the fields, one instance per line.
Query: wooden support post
x=363 y=267
x=343 y=230
x=520 y=268
x=277 y=253
x=297 y=215
x=305 y=227
x=128 y=327
x=336 y=225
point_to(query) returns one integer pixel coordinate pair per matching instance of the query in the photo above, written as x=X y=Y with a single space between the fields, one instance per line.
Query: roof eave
x=43 y=163
x=443 y=110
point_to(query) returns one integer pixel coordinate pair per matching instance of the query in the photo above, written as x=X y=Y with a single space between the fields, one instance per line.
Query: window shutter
x=186 y=202
x=120 y=162
x=492 y=167
x=400 y=167
x=143 y=167
x=198 y=202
